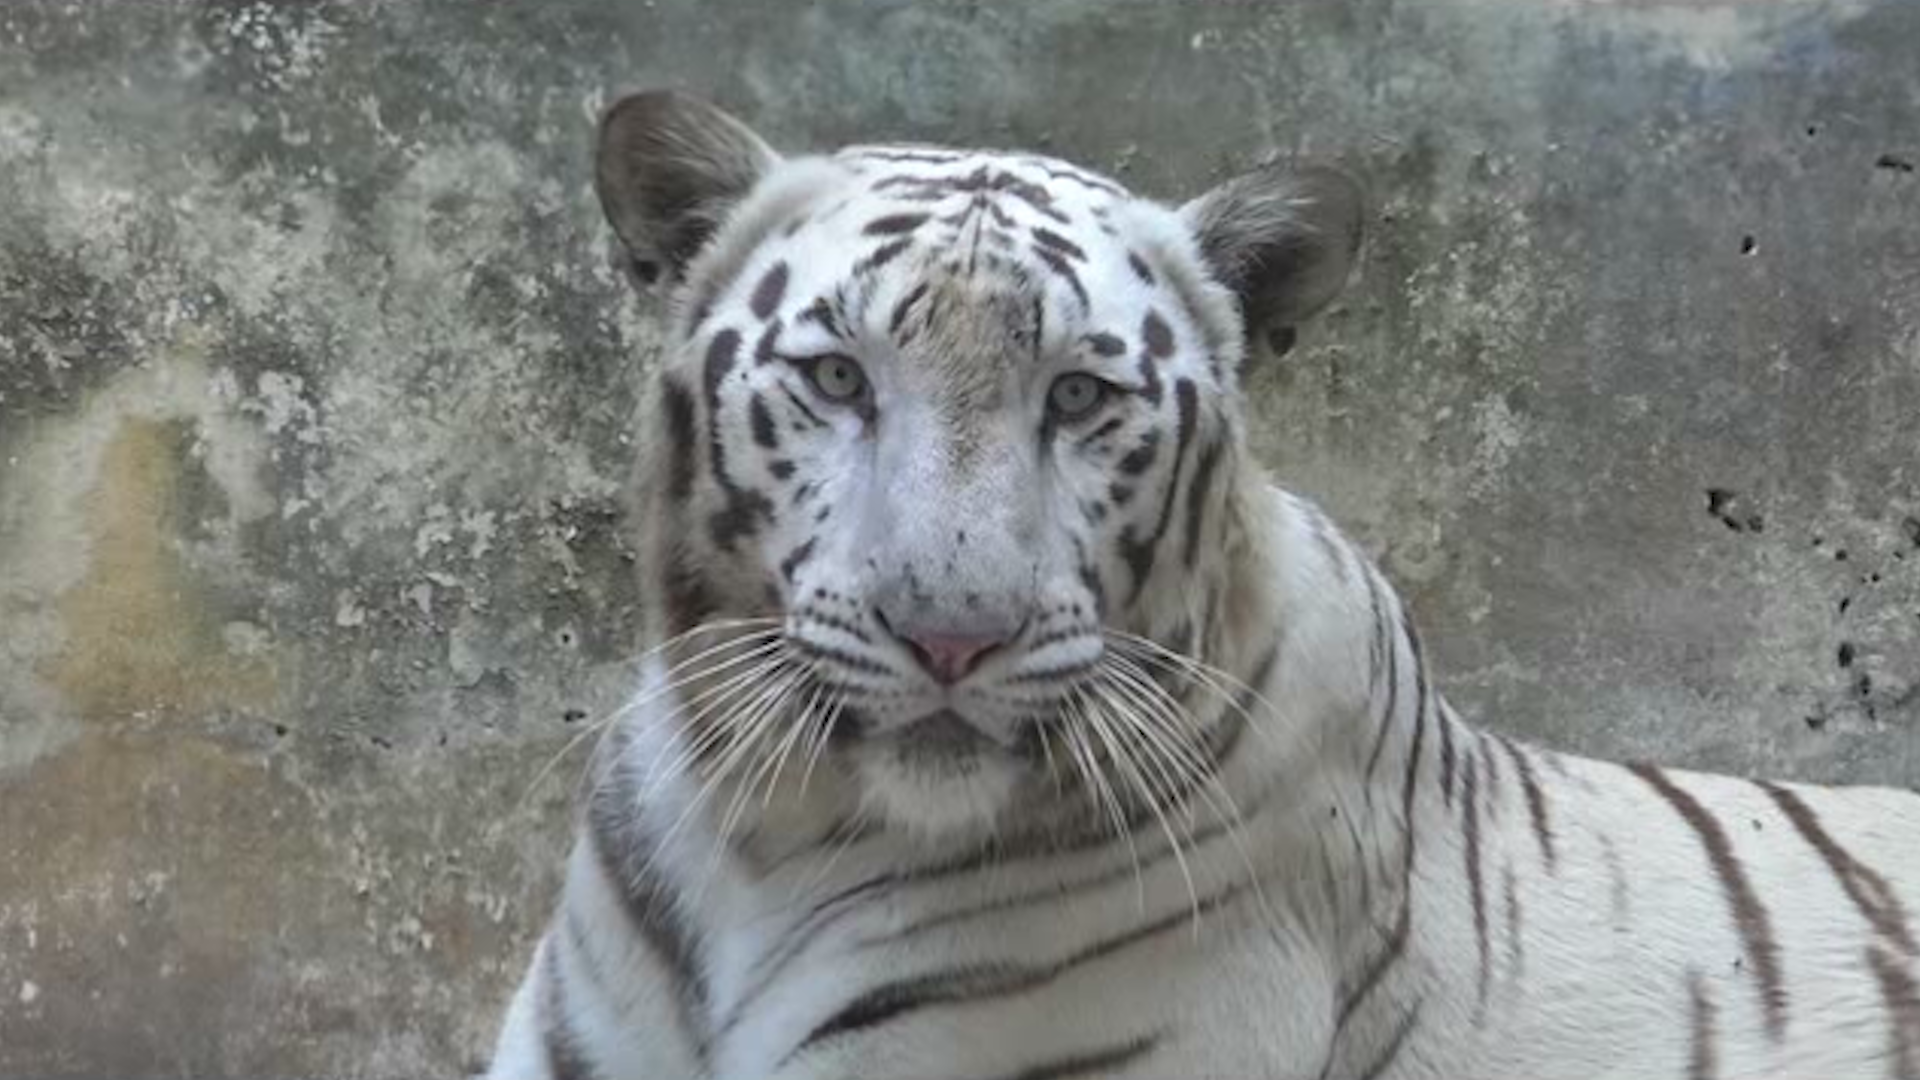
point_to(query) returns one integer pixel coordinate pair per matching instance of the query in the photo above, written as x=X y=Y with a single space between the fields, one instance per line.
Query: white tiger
x=1006 y=723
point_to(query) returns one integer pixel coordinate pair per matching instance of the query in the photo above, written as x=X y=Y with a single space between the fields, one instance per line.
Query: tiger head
x=948 y=457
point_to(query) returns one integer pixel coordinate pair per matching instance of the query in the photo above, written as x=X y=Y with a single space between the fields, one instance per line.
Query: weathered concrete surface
x=316 y=395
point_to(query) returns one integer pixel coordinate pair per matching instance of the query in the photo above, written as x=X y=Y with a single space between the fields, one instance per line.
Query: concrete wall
x=317 y=394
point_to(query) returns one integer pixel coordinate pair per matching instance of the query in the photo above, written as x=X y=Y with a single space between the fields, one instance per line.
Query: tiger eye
x=1076 y=396
x=837 y=378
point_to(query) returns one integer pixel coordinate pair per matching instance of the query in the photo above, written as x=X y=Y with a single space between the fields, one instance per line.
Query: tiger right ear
x=669 y=168
x=1284 y=240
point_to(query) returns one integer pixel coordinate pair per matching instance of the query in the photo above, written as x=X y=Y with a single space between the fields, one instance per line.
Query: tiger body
x=1006 y=724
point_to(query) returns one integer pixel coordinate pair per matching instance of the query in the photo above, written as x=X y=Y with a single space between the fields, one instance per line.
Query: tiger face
x=952 y=440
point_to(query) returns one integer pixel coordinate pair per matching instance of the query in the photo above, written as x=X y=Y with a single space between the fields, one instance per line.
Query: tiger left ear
x=670 y=168
x=1283 y=240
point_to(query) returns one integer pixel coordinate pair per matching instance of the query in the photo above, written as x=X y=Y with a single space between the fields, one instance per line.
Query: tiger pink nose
x=950 y=657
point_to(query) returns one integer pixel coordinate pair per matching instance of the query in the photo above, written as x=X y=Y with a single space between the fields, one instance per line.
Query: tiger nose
x=949 y=656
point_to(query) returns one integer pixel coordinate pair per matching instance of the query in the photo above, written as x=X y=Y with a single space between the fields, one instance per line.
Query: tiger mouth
x=942 y=732
x=941 y=742
x=938 y=739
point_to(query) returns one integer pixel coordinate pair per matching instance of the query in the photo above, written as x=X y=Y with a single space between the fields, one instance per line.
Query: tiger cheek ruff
x=1002 y=720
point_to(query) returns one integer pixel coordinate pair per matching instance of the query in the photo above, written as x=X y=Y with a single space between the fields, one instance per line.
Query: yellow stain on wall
x=138 y=636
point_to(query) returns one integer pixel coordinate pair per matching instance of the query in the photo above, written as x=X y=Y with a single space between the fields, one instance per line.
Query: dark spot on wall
x=1728 y=507
x=1894 y=163
x=1845 y=654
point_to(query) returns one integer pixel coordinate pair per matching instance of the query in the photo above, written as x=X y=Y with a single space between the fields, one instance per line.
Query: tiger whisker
x=1205 y=683
x=795 y=730
x=823 y=735
x=604 y=723
x=1053 y=766
x=1118 y=749
x=1087 y=758
x=749 y=725
x=1167 y=726
x=809 y=720
x=1178 y=723
x=854 y=826
x=766 y=719
x=1207 y=674
x=1211 y=788
x=665 y=768
x=1219 y=678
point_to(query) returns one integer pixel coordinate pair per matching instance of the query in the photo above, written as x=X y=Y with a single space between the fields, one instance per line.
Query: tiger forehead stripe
x=769 y=292
x=904 y=307
x=894 y=224
x=826 y=314
x=1140 y=267
x=1054 y=241
x=1157 y=335
x=881 y=256
x=983 y=179
x=765 y=351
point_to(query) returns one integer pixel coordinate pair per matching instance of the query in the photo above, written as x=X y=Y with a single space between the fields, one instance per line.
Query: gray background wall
x=317 y=395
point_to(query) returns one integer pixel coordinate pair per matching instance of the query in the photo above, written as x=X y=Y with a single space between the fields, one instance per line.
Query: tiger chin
x=1001 y=719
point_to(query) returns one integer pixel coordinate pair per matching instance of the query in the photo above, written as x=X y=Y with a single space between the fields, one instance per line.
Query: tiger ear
x=669 y=168
x=1283 y=240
